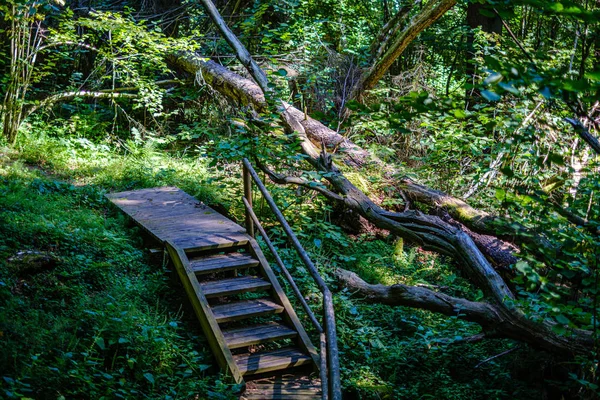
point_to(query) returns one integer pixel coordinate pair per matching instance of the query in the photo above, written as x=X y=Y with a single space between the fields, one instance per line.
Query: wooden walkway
x=248 y=320
x=170 y=214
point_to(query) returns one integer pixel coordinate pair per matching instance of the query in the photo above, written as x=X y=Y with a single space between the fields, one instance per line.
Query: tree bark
x=245 y=92
x=494 y=320
x=242 y=53
x=430 y=232
x=430 y=13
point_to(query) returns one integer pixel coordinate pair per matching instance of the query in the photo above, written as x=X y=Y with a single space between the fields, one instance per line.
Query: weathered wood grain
x=170 y=214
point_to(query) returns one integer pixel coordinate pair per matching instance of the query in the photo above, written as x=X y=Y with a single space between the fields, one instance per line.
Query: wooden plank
x=245 y=309
x=279 y=396
x=283 y=387
x=231 y=286
x=271 y=360
x=211 y=243
x=203 y=312
x=255 y=334
x=222 y=262
x=289 y=314
x=276 y=389
x=168 y=213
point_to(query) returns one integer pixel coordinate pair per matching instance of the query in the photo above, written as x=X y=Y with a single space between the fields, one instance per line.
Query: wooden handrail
x=284 y=269
x=331 y=384
x=296 y=290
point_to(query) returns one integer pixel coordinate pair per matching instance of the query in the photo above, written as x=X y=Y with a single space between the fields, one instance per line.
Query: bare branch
x=430 y=13
x=585 y=134
x=496 y=320
x=55 y=98
x=295 y=180
x=497 y=356
x=242 y=53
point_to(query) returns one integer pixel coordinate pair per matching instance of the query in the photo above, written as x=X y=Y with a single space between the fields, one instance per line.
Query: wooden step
x=225 y=287
x=255 y=334
x=283 y=389
x=276 y=394
x=245 y=309
x=268 y=361
x=222 y=262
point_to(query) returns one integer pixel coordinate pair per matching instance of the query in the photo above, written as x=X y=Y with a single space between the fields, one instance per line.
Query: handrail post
x=333 y=362
x=333 y=383
x=248 y=195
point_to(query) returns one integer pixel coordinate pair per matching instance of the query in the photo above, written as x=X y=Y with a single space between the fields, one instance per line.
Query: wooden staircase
x=249 y=323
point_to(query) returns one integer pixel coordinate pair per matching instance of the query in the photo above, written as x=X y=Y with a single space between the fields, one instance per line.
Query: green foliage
x=105 y=322
x=100 y=321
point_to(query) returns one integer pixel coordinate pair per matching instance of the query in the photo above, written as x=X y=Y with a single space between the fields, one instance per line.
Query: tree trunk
x=430 y=13
x=475 y=19
x=430 y=232
x=244 y=92
x=495 y=321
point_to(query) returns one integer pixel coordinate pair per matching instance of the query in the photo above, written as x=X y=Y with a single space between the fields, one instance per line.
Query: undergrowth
x=84 y=311
x=104 y=320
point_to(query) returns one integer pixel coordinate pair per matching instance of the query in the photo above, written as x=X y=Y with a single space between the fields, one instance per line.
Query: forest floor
x=87 y=311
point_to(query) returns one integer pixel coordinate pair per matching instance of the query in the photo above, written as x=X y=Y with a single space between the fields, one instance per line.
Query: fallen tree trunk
x=487 y=227
x=244 y=92
x=494 y=320
x=431 y=232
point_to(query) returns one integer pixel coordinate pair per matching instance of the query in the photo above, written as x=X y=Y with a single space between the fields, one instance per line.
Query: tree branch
x=389 y=30
x=585 y=134
x=495 y=320
x=298 y=181
x=430 y=13
x=55 y=98
x=242 y=53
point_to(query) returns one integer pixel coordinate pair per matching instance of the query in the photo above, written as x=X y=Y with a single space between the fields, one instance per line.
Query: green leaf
x=500 y=194
x=100 y=343
x=458 y=113
x=150 y=377
x=546 y=92
x=523 y=267
x=561 y=319
x=559 y=329
x=493 y=78
x=556 y=159
x=282 y=72
x=594 y=76
x=509 y=88
x=557 y=7
x=507 y=171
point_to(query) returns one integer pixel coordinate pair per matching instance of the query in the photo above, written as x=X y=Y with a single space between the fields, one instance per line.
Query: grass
x=103 y=319
x=84 y=311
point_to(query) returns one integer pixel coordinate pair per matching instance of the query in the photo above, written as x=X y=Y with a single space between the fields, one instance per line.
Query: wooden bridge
x=249 y=322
